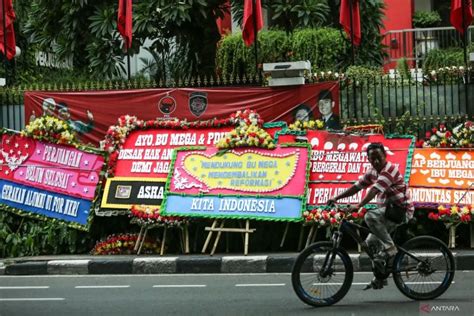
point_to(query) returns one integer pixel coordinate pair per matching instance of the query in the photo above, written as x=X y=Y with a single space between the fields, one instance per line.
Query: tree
x=288 y=15
x=184 y=32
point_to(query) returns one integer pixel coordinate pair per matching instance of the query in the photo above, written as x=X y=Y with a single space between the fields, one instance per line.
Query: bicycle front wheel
x=425 y=269
x=315 y=280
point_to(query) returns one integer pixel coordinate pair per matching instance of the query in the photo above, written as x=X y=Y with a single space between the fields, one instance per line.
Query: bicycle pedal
x=376 y=285
x=367 y=287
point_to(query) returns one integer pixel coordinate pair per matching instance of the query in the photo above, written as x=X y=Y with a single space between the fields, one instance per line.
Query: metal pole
x=464 y=43
x=5 y=60
x=255 y=48
x=352 y=32
x=128 y=62
x=464 y=34
x=354 y=91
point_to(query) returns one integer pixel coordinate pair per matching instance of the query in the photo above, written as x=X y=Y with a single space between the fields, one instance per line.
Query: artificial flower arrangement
x=320 y=76
x=461 y=136
x=144 y=215
x=50 y=129
x=447 y=72
x=368 y=128
x=332 y=217
x=453 y=215
x=248 y=133
x=117 y=134
x=299 y=125
x=124 y=244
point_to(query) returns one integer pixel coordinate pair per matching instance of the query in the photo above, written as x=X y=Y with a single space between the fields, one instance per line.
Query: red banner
x=91 y=113
x=148 y=153
x=144 y=162
x=442 y=176
x=339 y=160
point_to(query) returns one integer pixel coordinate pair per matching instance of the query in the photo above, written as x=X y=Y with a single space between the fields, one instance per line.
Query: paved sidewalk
x=147 y=264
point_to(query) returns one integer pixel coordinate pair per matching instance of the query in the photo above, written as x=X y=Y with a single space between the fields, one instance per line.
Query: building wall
x=398 y=16
x=423 y=5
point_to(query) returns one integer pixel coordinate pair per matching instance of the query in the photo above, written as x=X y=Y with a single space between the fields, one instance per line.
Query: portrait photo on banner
x=324 y=106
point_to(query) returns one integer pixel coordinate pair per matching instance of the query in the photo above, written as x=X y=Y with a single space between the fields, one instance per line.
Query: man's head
x=49 y=106
x=63 y=112
x=325 y=102
x=303 y=113
x=377 y=156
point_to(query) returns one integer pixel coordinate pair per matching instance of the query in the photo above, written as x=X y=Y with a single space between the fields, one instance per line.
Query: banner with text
x=144 y=161
x=91 y=113
x=56 y=181
x=250 y=183
x=442 y=176
x=339 y=160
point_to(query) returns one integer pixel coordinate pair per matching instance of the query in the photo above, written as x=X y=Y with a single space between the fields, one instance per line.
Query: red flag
x=124 y=21
x=248 y=30
x=9 y=40
x=456 y=14
x=345 y=19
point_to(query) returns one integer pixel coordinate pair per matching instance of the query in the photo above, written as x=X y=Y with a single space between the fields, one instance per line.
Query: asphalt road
x=216 y=294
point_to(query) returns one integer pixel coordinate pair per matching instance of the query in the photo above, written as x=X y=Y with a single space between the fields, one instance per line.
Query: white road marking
x=32 y=299
x=179 y=285
x=101 y=286
x=430 y=282
x=157 y=275
x=365 y=283
x=168 y=275
x=23 y=287
x=261 y=284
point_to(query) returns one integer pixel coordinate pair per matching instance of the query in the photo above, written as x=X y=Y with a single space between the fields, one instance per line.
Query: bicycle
x=322 y=274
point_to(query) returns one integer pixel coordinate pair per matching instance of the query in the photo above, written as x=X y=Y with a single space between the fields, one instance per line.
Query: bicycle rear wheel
x=425 y=270
x=315 y=286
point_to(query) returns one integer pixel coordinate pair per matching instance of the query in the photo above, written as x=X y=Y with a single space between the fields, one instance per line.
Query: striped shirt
x=389 y=182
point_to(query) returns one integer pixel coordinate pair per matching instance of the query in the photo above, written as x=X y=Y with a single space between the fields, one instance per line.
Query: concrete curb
x=68 y=266
x=154 y=265
x=274 y=263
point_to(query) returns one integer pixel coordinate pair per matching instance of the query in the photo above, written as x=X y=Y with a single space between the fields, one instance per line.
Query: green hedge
x=322 y=47
x=438 y=58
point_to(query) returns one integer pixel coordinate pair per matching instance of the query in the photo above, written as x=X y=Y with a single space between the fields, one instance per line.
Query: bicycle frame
x=348 y=227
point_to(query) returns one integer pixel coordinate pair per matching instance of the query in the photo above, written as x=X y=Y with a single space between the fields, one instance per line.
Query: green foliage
x=322 y=47
x=235 y=59
x=402 y=67
x=377 y=116
x=370 y=52
x=289 y=15
x=183 y=37
x=82 y=30
x=306 y=13
x=438 y=58
x=408 y=123
x=425 y=19
x=21 y=236
x=184 y=34
x=364 y=73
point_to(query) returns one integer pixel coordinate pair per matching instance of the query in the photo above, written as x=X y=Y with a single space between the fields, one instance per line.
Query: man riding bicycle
x=393 y=200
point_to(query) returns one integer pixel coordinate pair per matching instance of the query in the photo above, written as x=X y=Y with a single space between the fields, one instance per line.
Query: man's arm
x=369 y=196
x=349 y=192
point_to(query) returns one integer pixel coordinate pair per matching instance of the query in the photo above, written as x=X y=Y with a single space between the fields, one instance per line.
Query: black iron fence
x=410 y=104
x=415 y=44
